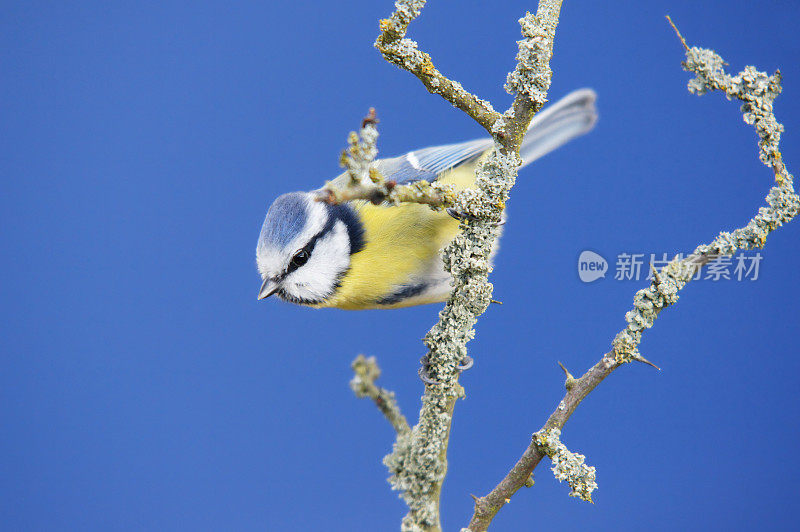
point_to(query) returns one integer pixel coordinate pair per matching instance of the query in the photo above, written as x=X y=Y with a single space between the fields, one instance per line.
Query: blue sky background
x=143 y=387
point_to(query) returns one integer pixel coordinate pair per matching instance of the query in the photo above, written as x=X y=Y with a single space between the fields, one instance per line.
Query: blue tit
x=362 y=256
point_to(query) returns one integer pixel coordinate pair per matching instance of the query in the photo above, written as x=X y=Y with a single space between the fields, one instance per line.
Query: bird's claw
x=454 y=213
x=465 y=363
x=424 y=372
x=423 y=375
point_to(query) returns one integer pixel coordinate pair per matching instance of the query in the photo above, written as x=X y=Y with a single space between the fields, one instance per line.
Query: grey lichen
x=568 y=466
x=417 y=463
x=405 y=54
x=397 y=49
x=361 y=152
x=757 y=91
x=363 y=181
x=392 y=42
x=366 y=372
x=405 y=11
x=532 y=74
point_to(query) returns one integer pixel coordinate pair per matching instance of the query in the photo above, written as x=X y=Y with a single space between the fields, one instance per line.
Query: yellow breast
x=400 y=243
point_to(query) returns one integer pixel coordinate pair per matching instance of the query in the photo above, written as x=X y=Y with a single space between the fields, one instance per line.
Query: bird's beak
x=268 y=287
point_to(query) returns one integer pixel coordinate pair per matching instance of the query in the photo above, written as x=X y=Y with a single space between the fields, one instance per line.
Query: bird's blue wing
x=570 y=117
x=428 y=163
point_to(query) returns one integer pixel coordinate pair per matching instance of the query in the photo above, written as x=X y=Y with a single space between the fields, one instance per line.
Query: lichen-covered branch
x=363 y=385
x=757 y=91
x=366 y=183
x=530 y=80
x=418 y=462
x=567 y=465
x=405 y=53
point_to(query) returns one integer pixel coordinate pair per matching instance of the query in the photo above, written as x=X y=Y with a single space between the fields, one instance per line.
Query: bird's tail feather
x=570 y=117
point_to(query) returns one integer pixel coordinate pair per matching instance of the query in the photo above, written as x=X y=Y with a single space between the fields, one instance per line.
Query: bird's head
x=304 y=248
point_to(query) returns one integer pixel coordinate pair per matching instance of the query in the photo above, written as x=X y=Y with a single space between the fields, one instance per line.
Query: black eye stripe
x=308 y=248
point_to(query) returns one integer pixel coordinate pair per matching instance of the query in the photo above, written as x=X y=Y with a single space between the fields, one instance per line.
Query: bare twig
x=363 y=384
x=757 y=90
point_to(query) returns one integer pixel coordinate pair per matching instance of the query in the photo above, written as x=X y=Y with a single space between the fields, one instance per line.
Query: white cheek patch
x=317 y=278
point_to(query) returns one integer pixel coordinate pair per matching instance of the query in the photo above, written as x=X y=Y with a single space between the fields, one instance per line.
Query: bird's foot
x=465 y=364
x=424 y=371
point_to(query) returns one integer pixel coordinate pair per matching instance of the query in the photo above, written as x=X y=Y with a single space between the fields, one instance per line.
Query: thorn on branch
x=570 y=383
x=640 y=358
x=655 y=274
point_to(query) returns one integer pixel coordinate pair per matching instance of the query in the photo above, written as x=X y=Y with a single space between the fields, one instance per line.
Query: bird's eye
x=300 y=258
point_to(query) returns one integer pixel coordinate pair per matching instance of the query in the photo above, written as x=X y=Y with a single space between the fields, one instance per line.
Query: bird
x=358 y=255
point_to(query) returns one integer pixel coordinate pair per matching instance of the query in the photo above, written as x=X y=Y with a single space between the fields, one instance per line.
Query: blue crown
x=287 y=217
